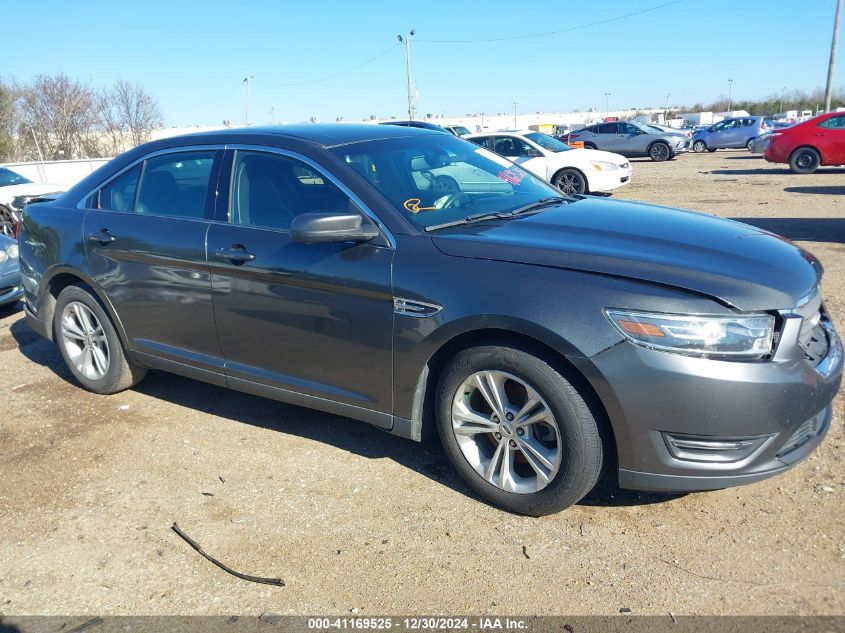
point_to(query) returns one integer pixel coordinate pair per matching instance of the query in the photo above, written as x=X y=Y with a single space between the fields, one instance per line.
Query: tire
x=590 y=146
x=712 y=149
x=749 y=142
x=8 y=224
x=804 y=160
x=570 y=181
x=90 y=345
x=568 y=435
x=659 y=151
x=699 y=147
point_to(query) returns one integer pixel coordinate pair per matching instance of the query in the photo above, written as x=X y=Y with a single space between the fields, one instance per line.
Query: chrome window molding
x=324 y=173
x=170 y=150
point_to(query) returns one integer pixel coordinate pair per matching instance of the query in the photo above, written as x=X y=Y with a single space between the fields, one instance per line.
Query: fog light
x=702 y=448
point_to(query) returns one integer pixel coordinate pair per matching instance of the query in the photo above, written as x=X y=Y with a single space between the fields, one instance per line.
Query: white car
x=15 y=192
x=570 y=170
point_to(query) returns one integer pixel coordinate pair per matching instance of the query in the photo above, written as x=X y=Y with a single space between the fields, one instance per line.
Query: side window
x=627 y=128
x=175 y=185
x=607 y=128
x=268 y=190
x=834 y=122
x=119 y=194
x=507 y=146
x=485 y=142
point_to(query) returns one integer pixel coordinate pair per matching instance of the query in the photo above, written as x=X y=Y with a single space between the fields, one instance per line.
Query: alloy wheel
x=506 y=431
x=85 y=341
x=699 y=147
x=570 y=183
x=659 y=152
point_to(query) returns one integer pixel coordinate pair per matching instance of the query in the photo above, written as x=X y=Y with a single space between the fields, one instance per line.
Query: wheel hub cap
x=506 y=431
x=84 y=341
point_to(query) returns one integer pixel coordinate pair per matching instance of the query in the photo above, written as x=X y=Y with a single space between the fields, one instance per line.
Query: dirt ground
x=357 y=521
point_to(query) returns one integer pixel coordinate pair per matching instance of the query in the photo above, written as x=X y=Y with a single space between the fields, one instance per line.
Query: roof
x=325 y=134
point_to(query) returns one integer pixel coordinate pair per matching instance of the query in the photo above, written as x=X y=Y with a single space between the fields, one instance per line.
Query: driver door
x=313 y=320
x=523 y=154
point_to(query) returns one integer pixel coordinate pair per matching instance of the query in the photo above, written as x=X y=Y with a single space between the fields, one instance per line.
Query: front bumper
x=602 y=181
x=11 y=289
x=682 y=146
x=783 y=404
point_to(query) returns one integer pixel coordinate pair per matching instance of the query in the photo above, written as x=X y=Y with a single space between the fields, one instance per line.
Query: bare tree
x=62 y=113
x=7 y=122
x=128 y=114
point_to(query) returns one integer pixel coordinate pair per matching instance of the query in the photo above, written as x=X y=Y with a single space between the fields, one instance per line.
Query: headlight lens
x=4 y=256
x=12 y=251
x=740 y=337
x=601 y=165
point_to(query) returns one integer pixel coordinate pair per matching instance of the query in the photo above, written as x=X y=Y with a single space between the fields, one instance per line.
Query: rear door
x=830 y=139
x=523 y=154
x=145 y=241
x=310 y=319
x=607 y=137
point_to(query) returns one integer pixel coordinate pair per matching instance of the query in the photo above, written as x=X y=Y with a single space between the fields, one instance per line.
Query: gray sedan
x=631 y=139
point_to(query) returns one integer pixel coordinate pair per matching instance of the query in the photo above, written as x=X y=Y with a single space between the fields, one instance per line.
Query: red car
x=808 y=145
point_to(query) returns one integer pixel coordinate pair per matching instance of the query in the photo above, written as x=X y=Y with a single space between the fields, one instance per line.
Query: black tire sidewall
x=655 y=144
x=117 y=359
x=582 y=452
x=793 y=160
x=574 y=172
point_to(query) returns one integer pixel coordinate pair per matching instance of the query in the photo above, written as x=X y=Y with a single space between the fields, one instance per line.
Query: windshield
x=436 y=179
x=8 y=177
x=547 y=142
x=460 y=130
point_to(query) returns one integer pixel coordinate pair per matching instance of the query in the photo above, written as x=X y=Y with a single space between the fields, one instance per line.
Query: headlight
x=4 y=256
x=12 y=251
x=740 y=337
x=601 y=165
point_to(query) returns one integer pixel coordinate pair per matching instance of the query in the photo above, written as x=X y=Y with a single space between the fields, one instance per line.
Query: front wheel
x=804 y=160
x=699 y=147
x=90 y=345
x=570 y=181
x=517 y=431
x=659 y=151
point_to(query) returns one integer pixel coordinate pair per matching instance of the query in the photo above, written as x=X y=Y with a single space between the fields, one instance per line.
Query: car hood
x=581 y=156
x=735 y=263
x=10 y=192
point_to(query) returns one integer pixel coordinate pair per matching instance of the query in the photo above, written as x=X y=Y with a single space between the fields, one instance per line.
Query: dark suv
x=415 y=281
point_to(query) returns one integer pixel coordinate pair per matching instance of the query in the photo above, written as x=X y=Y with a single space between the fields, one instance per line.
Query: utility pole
x=606 y=103
x=515 y=103
x=246 y=98
x=730 y=87
x=782 y=91
x=829 y=87
x=666 y=109
x=407 y=41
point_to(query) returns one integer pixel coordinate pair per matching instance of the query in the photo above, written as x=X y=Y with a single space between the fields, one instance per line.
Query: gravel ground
x=354 y=519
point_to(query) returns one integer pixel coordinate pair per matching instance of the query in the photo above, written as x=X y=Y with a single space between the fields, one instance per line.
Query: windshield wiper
x=534 y=207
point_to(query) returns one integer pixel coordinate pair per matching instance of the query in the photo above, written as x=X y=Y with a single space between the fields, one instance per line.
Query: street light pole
x=829 y=87
x=782 y=91
x=606 y=103
x=407 y=41
x=730 y=87
x=668 y=94
x=515 y=103
x=246 y=99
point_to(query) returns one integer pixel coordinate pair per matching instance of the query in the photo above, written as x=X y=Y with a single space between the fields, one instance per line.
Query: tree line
x=775 y=103
x=54 y=117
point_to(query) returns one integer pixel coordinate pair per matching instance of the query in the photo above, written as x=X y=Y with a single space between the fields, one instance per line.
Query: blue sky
x=193 y=55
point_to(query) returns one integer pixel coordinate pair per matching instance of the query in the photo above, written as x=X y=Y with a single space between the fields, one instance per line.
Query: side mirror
x=313 y=228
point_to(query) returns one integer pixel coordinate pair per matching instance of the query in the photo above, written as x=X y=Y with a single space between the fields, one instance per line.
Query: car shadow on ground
x=823 y=190
x=769 y=172
x=802 y=229
x=426 y=458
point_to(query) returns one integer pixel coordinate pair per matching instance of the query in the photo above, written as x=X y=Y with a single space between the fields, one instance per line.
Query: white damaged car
x=16 y=191
x=570 y=170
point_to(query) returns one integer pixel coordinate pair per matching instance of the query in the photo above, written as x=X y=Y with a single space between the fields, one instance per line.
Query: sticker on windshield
x=511 y=175
x=413 y=205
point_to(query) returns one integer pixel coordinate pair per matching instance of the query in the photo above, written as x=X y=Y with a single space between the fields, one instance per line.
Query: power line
x=566 y=30
x=343 y=72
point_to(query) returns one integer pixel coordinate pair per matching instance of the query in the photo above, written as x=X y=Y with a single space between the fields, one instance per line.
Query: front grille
x=804 y=434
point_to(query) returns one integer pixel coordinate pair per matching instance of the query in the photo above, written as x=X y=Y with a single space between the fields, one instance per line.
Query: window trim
x=169 y=150
x=232 y=150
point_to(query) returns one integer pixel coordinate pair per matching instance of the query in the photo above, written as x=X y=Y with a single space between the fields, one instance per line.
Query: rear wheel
x=590 y=146
x=517 y=431
x=699 y=147
x=659 y=151
x=570 y=181
x=804 y=160
x=90 y=345
x=748 y=143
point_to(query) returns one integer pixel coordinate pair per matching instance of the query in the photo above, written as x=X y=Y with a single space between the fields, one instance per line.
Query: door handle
x=103 y=237
x=234 y=254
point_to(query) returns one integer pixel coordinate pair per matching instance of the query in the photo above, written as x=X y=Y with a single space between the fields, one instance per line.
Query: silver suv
x=631 y=139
